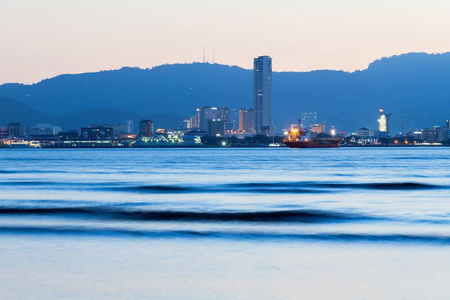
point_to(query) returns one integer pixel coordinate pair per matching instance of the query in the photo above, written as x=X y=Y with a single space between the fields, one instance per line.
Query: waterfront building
x=216 y=127
x=46 y=129
x=384 y=123
x=205 y=113
x=429 y=135
x=43 y=132
x=308 y=119
x=68 y=135
x=443 y=134
x=193 y=123
x=262 y=95
x=367 y=136
x=235 y=118
x=246 y=120
x=96 y=133
x=318 y=128
x=118 y=129
x=229 y=128
x=225 y=114
x=130 y=126
x=15 y=129
x=145 y=128
x=3 y=132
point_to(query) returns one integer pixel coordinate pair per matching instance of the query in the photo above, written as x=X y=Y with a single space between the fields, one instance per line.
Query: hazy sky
x=41 y=39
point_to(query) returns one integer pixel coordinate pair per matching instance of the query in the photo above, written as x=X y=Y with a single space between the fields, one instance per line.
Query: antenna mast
x=204 y=59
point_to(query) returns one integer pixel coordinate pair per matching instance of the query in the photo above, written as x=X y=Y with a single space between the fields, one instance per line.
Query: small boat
x=296 y=139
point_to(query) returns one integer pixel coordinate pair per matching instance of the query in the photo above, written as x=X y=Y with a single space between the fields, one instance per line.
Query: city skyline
x=88 y=36
x=203 y=149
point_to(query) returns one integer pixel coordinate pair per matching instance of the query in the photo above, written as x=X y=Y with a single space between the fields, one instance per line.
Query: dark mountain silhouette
x=15 y=111
x=414 y=86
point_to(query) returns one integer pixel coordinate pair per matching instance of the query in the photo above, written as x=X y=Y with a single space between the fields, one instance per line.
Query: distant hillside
x=15 y=111
x=414 y=86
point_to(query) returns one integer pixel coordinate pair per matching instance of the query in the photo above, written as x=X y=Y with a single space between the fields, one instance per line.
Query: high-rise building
x=429 y=135
x=130 y=126
x=308 y=119
x=318 y=128
x=235 y=118
x=225 y=114
x=443 y=134
x=145 y=128
x=205 y=113
x=384 y=123
x=3 y=132
x=262 y=94
x=193 y=122
x=246 y=120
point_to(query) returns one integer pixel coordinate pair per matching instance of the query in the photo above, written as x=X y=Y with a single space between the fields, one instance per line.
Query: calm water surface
x=225 y=223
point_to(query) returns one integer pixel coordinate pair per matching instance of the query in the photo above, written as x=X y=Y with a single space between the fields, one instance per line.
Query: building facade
x=16 y=130
x=308 y=119
x=96 y=133
x=262 y=95
x=216 y=127
x=225 y=114
x=246 y=120
x=384 y=124
x=130 y=126
x=318 y=128
x=205 y=113
x=145 y=128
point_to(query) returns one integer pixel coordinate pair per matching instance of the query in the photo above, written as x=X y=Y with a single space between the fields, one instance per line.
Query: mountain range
x=413 y=86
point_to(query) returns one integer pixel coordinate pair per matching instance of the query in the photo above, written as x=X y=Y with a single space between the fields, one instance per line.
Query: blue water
x=225 y=223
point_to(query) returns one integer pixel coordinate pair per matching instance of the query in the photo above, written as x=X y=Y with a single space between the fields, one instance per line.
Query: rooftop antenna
x=204 y=59
x=214 y=59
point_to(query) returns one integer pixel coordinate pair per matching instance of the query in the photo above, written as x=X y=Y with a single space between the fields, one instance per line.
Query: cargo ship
x=297 y=139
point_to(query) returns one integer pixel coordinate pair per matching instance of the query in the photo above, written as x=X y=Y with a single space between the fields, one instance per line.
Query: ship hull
x=312 y=144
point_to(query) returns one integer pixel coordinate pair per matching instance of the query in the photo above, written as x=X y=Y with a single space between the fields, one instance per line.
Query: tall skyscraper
x=262 y=95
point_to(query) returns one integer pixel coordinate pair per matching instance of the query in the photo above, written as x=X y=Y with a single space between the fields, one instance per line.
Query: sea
x=225 y=223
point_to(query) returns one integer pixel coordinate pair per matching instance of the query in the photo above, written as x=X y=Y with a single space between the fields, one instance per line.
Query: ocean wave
x=337 y=185
x=156 y=188
x=295 y=187
x=26 y=183
x=233 y=235
x=288 y=216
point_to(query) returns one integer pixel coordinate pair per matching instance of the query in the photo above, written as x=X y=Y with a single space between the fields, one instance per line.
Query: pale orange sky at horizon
x=42 y=39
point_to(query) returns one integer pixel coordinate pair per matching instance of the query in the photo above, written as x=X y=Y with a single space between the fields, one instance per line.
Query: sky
x=45 y=38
